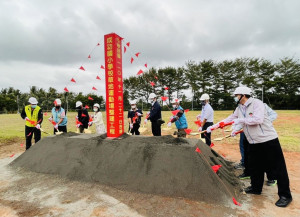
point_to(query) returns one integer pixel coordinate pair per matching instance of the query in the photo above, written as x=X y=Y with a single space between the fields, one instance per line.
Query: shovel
x=143 y=129
x=198 y=133
x=44 y=131
x=221 y=138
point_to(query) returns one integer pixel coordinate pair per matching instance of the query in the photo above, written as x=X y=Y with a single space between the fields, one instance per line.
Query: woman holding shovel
x=98 y=120
x=59 y=118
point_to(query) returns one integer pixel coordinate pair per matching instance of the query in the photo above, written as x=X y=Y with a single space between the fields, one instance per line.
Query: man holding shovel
x=155 y=115
x=134 y=118
x=33 y=116
x=59 y=118
x=265 y=153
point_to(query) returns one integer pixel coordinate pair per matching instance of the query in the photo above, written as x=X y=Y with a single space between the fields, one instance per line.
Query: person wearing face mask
x=179 y=118
x=134 y=118
x=206 y=117
x=33 y=116
x=98 y=120
x=82 y=117
x=155 y=115
x=264 y=150
x=59 y=117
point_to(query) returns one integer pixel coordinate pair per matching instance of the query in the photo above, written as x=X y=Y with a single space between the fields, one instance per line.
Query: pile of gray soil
x=156 y=165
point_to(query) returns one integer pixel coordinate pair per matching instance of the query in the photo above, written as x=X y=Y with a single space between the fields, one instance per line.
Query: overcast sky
x=43 y=43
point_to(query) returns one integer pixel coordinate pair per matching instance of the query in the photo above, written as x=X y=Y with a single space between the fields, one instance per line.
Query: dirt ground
x=24 y=193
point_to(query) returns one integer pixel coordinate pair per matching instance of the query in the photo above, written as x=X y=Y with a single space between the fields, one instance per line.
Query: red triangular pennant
x=140 y=72
x=83 y=115
x=66 y=89
x=102 y=67
x=73 y=80
x=124 y=49
x=87 y=107
x=235 y=202
x=152 y=83
x=89 y=56
x=98 y=77
x=198 y=122
x=186 y=110
x=94 y=88
x=81 y=68
x=128 y=44
x=137 y=54
x=90 y=98
x=164 y=98
x=198 y=150
x=131 y=60
x=215 y=168
x=12 y=155
x=98 y=44
x=146 y=65
x=188 y=131
x=211 y=145
x=166 y=88
x=175 y=112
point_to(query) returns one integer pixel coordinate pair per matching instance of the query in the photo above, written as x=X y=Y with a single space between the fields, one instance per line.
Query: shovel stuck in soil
x=143 y=129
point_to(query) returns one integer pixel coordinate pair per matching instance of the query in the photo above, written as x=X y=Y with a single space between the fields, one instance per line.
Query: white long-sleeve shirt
x=207 y=113
x=98 y=120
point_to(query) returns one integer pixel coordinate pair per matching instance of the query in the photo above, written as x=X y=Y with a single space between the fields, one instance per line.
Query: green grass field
x=287 y=126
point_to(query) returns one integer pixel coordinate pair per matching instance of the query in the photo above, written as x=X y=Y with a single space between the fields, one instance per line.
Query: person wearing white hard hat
x=206 y=117
x=98 y=120
x=265 y=153
x=59 y=118
x=155 y=115
x=134 y=118
x=33 y=115
x=179 y=118
x=82 y=117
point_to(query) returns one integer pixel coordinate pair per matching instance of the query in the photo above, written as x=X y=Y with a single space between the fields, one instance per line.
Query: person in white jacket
x=98 y=120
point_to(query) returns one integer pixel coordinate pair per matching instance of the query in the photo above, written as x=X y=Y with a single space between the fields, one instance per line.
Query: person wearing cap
x=98 y=120
x=265 y=153
x=155 y=115
x=179 y=118
x=206 y=117
x=33 y=116
x=59 y=117
x=134 y=118
x=82 y=117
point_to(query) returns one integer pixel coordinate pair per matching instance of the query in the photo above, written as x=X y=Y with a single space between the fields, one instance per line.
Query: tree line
x=278 y=84
x=13 y=100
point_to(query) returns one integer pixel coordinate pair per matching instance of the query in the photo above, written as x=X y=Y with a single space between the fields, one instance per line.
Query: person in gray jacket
x=265 y=153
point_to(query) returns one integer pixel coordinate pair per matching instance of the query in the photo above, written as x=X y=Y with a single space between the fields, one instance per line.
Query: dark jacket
x=84 y=119
x=155 y=112
x=132 y=114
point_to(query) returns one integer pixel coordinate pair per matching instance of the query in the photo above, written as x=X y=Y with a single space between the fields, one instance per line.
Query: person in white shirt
x=206 y=117
x=98 y=120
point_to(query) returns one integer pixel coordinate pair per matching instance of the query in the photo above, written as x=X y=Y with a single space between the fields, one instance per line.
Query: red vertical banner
x=114 y=85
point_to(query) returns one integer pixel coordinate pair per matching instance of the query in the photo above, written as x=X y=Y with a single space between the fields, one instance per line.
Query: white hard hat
x=33 y=101
x=204 y=96
x=152 y=95
x=243 y=90
x=175 y=100
x=132 y=102
x=96 y=105
x=78 y=103
x=57 y=102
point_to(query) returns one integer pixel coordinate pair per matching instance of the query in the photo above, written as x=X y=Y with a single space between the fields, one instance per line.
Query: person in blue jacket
x=59 y=116
x=179 y=118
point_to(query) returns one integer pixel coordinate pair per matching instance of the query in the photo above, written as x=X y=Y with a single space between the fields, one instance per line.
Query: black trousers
x=29 y=131
x=61 y=129
x=81 y=129
x=268 y=157
x=135 y=129
x=156 y=130
x=207 y=136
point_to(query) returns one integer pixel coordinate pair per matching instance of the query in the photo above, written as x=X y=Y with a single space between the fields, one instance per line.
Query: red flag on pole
x=128 y=44
x=131 y=60
x=98 y=77
x=90 y=98
x=102 y=67
x=81 y=68
x=137 y=54
x=140 y=72
x=186 y=110
x=66 y=89
x=215 y=168
x=73 y=80
x=175 y=112
x=94 y=88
